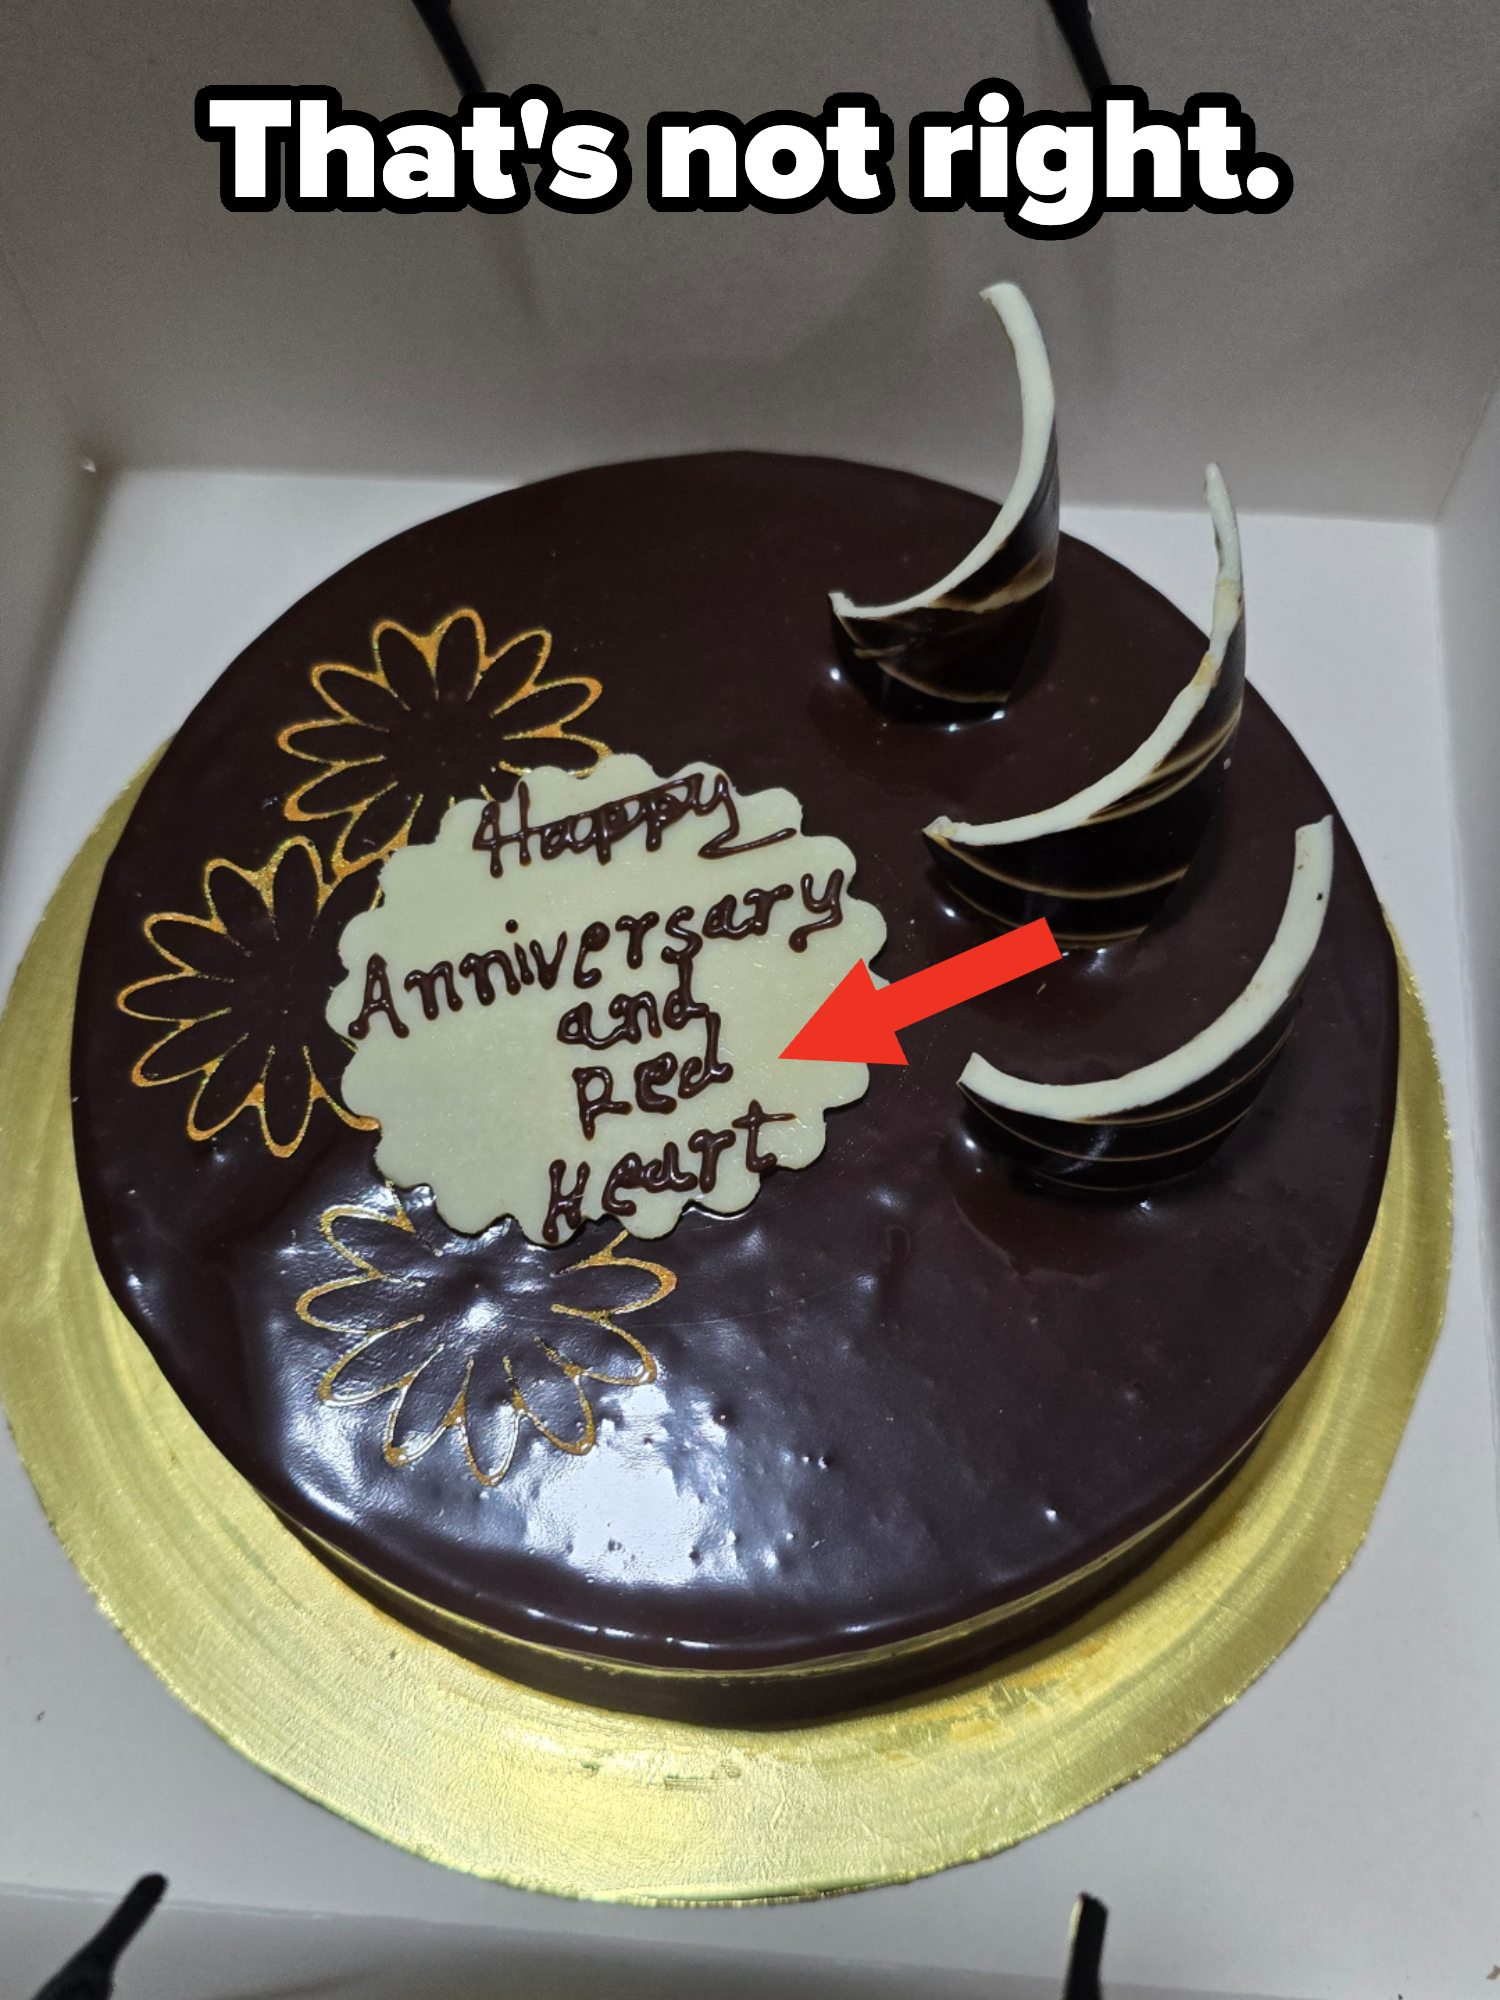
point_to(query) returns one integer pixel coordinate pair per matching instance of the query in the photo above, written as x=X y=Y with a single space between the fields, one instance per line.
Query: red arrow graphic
x=858 y=1020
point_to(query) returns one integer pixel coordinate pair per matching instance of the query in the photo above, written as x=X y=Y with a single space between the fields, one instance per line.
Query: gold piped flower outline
x=443 y=1369
x=243 y=999
x=439 y=716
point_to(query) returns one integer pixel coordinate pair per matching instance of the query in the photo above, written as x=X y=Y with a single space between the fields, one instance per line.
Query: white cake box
x=203 y=413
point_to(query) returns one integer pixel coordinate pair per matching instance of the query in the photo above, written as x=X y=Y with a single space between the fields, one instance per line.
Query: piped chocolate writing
x=528 y=963
x=656 y=1176
x=377 y=1000
x=659 y=1082
x=598 y=830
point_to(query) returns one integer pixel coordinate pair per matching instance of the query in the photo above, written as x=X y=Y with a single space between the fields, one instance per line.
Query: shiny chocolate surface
x=904 y=1388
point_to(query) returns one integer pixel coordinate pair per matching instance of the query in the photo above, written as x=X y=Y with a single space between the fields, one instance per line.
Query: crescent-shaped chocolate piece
x=966 y=639
x=1100 y=864
x=1164 y=1119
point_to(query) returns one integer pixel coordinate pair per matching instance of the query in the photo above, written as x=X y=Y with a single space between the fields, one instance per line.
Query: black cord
x=1086 y=1950
x=1075 y=20
x=451 y=46
x=89 y=1974
x=1073 y=17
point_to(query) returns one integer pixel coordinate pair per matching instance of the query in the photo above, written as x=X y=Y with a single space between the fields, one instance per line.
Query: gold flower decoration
x=245 y=993
x=440 y=716
x=482 y=1338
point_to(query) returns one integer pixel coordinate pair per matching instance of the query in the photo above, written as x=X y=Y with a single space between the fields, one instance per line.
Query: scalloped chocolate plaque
x=571 y=1005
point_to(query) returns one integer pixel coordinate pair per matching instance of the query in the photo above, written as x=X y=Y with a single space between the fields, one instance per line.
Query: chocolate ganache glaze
x=769 y=1463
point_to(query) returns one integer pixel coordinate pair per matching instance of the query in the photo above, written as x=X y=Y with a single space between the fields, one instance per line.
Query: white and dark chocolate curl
x=1162 y=1120
x=967 y=637
x=1100 y=864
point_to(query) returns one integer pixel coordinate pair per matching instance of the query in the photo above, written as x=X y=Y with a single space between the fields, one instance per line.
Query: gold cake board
x=410 y=1741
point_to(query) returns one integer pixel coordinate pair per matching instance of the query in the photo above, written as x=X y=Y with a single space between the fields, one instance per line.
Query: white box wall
x=1336 y=359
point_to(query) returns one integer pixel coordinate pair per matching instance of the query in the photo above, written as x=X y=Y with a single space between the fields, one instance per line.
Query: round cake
x=896 y=1403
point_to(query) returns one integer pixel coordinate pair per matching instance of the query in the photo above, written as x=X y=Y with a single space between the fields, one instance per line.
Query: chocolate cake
x=783 y=1410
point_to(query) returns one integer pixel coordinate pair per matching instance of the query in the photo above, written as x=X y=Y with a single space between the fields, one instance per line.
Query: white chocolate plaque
x=572 y=1005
